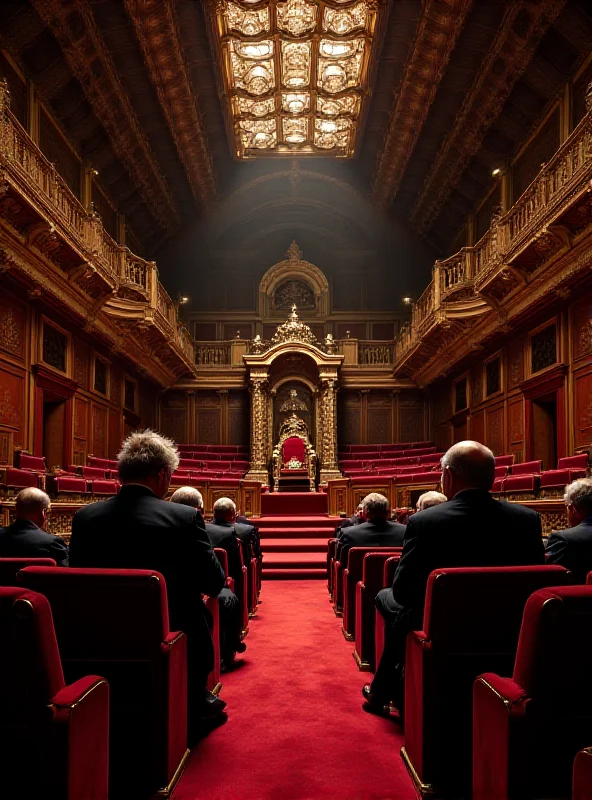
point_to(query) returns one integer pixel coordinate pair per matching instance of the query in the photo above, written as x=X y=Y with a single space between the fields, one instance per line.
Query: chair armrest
x=420 y=703
x=499 y=741
x=230 y=584
x=79 y=762
x=173 y=726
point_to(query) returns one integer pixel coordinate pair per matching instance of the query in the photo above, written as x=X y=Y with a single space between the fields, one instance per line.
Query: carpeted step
x=295 y=533
x=294 y=503
x=294 y=560
x=295 y=574
x=285 y=520
x=293 y=546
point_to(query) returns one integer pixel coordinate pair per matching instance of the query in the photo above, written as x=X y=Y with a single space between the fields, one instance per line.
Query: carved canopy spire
x=293 y=330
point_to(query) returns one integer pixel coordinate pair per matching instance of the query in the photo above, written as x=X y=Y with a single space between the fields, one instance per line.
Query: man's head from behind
x=429 y=499
x=578 y=499
x=32 y=504
x=148 y=459
x=467 y=465
x=188 y=496
x=375 y=506
x=225 y=509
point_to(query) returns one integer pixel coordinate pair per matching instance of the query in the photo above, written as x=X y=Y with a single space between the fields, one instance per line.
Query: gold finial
x=294 y=252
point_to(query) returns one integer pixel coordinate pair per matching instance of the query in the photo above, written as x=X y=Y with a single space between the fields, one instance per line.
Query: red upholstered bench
x=9 y=567
x=35 y=464
x=17 y=479
x=549 y=691
x=59 y=484
x=504 y=461
x=388 y=576
x=119 y=619
x=471 y=621
x=92 y=473
x=582 y=775
x=569 y=469
x=103 y=487
x=366 y=590
x=352 y=575
x=55 y=738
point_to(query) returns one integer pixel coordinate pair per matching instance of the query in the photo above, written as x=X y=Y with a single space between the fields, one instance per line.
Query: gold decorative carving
x=293 y=330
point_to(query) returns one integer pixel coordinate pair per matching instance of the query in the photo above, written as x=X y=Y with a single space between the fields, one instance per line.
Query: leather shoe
x=373 y=705
x=241 y=647
x=212 y=706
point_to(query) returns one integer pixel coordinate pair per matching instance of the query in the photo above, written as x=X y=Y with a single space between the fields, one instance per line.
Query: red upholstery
x=527 y=468
x=388 y=576
x=351 y=577
x=521 y=483
x=102 y=463
x=501 y=471
x=573 y=462
x=471 y=620
x=65 y=483
x=560 y=477
x=366 y=591
x=331 y=549
x=420 y=477
x=32 y=463
x=582 y=775
x=119 y=620
x=504 y=461
x=10 y=566
x=20 y=478
x=550 y=690
x=55 y=738
x=104 y=487
x=90 y=473
x=293 y=447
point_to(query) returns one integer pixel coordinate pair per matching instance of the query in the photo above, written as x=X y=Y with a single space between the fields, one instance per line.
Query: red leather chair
x=214 y=679
x=366 y=591
x=352 y=575
x=331 y=548
x=118 y=620
x=388 y=576
x=55 y=738
x=582 y=775
x=9 y=567
x=549 y=694
x=471 y=624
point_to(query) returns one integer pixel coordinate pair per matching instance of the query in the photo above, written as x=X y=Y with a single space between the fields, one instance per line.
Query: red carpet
x=295 y=546
x=296 y=729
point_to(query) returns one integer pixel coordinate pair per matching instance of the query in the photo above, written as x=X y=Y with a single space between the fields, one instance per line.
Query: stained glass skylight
x=295 y=73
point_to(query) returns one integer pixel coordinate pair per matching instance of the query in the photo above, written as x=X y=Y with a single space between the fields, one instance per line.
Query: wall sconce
x=407 y=300
x=498 y=172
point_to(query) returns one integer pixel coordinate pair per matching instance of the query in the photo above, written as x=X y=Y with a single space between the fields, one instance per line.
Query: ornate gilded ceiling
x=295 y=73
x=160 y=96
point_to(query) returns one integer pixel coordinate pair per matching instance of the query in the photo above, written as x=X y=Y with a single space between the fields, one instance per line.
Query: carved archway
x=305 y=285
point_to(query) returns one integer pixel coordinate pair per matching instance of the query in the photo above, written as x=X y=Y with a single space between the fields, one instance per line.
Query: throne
x=294 y=459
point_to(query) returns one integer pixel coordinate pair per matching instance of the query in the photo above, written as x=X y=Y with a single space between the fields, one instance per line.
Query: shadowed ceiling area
x=455 y=88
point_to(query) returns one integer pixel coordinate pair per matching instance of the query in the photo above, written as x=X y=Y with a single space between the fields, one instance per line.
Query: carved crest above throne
x=293 y=281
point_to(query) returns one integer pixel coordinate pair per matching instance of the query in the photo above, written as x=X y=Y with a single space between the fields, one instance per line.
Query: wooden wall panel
x=582 y=329
x=13 y=404
x=477 y=426
x=13 y=327
x=115 y=435
x=583 y=409
x=99 y=431
x=208 y=426
x=494 y=430
x=80 y=431
x=349 y=419
x=411 y=424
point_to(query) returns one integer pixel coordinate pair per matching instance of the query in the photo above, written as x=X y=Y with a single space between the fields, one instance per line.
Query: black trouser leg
x=230 y=622
x=387 y=685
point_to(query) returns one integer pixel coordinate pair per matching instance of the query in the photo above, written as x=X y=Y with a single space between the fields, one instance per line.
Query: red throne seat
x=471 y=620
x=549 y=693
x=118 y=619
x=55 y=738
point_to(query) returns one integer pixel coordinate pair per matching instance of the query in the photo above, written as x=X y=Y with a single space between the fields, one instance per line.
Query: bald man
x=25 y=538
x=471 y=530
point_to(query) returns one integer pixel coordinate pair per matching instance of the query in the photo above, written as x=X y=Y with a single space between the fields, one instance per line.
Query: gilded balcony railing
x=375 y=353
x=567 y=175
x=36 y=178
x=212 y=354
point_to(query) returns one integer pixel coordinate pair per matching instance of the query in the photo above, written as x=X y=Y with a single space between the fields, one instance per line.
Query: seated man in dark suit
x=471 y=530
x=429 y=499
x=349 y=522
x=230 y=615
x=25 y=538
x=223 y=532
x=572 y=548
x=376 y=531
x=137 y=529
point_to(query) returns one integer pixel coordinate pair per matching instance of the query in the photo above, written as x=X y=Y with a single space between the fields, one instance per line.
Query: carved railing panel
x=375 y=353
x=212 y=354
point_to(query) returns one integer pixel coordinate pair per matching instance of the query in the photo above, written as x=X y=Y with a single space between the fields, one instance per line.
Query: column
x=259 y=428
x=329 y=468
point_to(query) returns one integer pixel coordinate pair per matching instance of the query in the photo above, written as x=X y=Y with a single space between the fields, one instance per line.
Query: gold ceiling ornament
x=293 y=403
x=295 y=73
x=293 y=330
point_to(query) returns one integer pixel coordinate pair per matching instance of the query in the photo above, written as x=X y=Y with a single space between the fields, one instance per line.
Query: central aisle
x=296 y=729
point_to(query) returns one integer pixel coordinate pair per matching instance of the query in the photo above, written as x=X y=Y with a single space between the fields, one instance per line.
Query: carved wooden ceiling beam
x=155 y=26
x=510 y=54
x=73 y=25
x=437 y=34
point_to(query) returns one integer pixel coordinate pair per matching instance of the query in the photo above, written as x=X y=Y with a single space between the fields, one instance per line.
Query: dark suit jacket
x=136 y=530
x=472 y=530
x=372 y=533
x=572 y=548
x=222 y=534
x=23 y=539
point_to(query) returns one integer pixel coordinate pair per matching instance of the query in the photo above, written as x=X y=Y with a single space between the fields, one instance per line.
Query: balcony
x=103 y=282
x=487 y=285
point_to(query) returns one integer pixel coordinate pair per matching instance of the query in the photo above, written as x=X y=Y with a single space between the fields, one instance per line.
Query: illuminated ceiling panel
x=295 y=73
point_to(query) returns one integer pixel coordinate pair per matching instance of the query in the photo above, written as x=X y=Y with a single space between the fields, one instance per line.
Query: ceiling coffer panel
x=295 y=74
